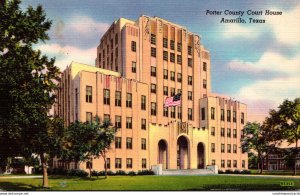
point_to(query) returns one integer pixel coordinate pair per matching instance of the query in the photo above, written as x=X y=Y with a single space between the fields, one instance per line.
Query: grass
x=207 y=182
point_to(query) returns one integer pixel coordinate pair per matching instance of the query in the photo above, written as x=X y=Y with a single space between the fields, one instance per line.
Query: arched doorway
x=163 y=153
x=183 y=159
x=200 y=156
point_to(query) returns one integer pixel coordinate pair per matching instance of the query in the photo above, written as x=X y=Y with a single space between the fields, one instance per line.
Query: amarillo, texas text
x=254 y=15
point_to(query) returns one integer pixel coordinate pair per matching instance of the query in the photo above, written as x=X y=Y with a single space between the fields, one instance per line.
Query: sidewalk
x=21 y=176
x=251 y=175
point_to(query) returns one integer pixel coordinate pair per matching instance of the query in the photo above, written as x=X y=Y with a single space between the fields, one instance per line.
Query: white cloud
x=239 y=30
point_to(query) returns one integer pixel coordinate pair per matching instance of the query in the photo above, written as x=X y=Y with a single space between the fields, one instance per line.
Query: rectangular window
x=116 y=39
x=89 y=94
x=213 y=131
x=165 y=43
x=106 y=117
x=106 y=96
x=143 y=144
x=190 y=95
x=213 y=162
x=111 y=43
x=173 y=115
x=229 y=163
x=202 y=113
x=133 y=67
x=129 y=100
x=128 y=143
x=222 y=148
x=234 y=133
x=234 y=116
x=118 y=98
x=153 y=39
x=108 y=163
x=172 y=76
x=243 y=164
x=179 y=59
x=153 y=52
x=189 y=50
x=166 y=112
x=129 y=163
x=172 y=57
x=179 y=77
x=165 y=56
x=234 y=163
x=222 y=132
x=172 y=44
x=223 y=163
x=190 y=114
x=242 y=118
x=153 y=71
x=153 y=108
x=153 y=88
x=143 y=125
x=190 y=80
x=165 y=74
x=204 y=84
x=118 y=122
x=143 y=102
x=212 y=113
x=234 y=148
x=190 y=62
x=213 y=147
x=228 y=115
x=133 y=46
x=129 y=122
x=222 y=115
x=228 y=132
x=179 y=47
x=118 y=142
x=166 y=90
x=179 y=115
x=118 y=164
x=228 y=148
x=172 y=91
x=144 y=163
x=89 y=117
x=204 y=66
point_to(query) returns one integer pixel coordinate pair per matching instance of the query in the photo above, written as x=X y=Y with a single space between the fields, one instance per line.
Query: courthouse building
x=139 y=64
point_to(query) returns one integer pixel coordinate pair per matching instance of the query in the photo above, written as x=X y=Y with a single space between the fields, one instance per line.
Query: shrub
x=110 y=173
x=220 y=172
x=57 y=171
x=131 y=173
x=245 y=172
x=236 y=171
x=145 y=172
x=120 y=172
x=77 y=173
x=228 y=171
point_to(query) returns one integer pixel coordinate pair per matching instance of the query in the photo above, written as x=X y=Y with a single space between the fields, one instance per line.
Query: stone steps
x=187 y=172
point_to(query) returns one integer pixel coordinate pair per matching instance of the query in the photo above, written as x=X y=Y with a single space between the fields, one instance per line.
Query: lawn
x=207 y=182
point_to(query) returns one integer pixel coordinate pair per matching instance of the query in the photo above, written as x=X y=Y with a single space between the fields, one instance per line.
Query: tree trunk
x=45 y=174
x=295 y=159
x=90 y=168
x=105 y=166
x=258 y=162
x=262 y=165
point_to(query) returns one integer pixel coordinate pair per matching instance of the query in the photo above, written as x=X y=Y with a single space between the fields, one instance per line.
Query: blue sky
x=258 y=64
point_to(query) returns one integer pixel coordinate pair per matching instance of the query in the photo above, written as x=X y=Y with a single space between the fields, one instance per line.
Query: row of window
x=172 y=57
x=234 y=148
x=234 y=164
x=222 y=115
x=118 y=163
x=179 y=112
x=234 y=132
x=118 y=143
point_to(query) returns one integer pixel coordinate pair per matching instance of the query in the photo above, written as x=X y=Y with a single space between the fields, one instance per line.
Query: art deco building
x=139 y=64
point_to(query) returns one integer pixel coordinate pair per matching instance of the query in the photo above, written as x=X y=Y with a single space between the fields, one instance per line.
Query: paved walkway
x=21 y=177
x=246 y=175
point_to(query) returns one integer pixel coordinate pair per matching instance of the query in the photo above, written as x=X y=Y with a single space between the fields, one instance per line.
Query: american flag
x=173 y=101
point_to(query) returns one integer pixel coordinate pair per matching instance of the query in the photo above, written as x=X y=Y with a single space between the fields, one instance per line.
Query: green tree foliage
x=27 y=82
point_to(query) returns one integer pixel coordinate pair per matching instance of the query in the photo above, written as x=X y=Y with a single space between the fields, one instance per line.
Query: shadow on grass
x=13 y=186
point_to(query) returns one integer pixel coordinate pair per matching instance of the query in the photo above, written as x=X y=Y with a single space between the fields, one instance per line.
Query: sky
x=255 y=63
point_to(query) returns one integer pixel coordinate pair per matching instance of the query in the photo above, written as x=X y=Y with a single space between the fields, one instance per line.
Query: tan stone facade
x=139 y=64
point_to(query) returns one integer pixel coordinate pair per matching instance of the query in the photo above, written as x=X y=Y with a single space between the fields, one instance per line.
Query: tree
x=27 y=82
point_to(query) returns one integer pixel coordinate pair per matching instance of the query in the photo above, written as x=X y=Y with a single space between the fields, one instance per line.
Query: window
x=234 y=163
x=165 y=56
x=243 y=164
x=166 y=112
x=118 y=142
x=222 y=132
x=106 y=96
x=179 y=46
x=128 y=100
x=153 y=39
x=89 y=96
x=172 y=57
x=212 y=113
x=202 y=113
x=116 y=39
x=179 y=77
x=228 y=115
x=189 y=50
x=89 y=117
x=76 y=104
x=153 y=71
x=179 y=59
x=228 y=148
x=166 y=90
x=153 y=52
x=190 y=80
x=118 y=122
x=111 y=43
x=172 y=44
x=228 y=132
x=144 y=163
x=223 y=163
x=129 y=163
x=108 y=163
x=190 y=95
x=234 y=133
x=153 y=108
x=133 y=46
x=165 y=43
x=143 y=102
x=143 y=125
x=173 y=112
x=172 y=91
x=242 y=134
x=190 y=62
x=89 y=165
x=128 y=143
x=165 y=74
x=242 y=118
x=213 y=147
x=213 y=131
x=118 y=99
x=222 y=148
x=143 y=144
x=172 y=76
x=133 y=67
x=190 y=114
x=153 y=88
x=179 y=115
x=229 y=163
x=204 y=84
x=222 y=115
x=234 y=116
x=204 y=66
x=234 y=148
x=118 y=164
x=129 y=122
x=213 y=162
x=106 y=117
